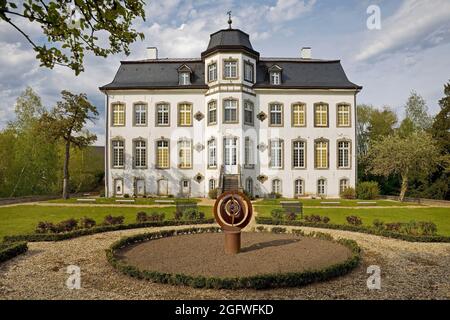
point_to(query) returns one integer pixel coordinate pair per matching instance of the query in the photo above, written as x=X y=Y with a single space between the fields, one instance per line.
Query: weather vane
x=229 y=19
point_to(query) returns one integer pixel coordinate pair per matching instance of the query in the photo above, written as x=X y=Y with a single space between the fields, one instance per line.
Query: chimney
x=152 y=53
x=305 y=53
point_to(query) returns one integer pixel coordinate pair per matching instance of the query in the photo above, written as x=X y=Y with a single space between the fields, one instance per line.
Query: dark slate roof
x=229 y=39
x=155 y=74
x=304 y=73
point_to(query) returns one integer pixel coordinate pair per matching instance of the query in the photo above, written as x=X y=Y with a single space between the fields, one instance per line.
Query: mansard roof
x=229 y=39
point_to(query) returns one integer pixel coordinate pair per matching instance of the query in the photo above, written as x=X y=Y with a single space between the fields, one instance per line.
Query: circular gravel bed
x=262 y=253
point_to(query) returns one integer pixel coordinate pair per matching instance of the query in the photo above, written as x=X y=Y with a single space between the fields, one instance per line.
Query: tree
x=417 y=111
x=364 y=112
x=28 y=109
x=409 y=156
x=381 y=123
x=66 y=123
x=76 y=27
x=440 y=129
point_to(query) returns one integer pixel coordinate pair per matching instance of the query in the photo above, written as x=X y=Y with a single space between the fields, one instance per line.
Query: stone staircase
x=230 y=182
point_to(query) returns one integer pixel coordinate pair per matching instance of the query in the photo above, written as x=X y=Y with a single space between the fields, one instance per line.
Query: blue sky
x=410 y=52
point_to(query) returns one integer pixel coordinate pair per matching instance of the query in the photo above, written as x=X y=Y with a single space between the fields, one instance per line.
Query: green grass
x=343 y=202
x=113 y=200
x=440 y=216
x=23 y=219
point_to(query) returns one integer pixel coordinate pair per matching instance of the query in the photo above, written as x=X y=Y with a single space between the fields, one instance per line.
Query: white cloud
x=408 y=28
x=285 y=10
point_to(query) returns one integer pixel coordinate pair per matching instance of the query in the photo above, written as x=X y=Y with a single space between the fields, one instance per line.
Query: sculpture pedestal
x=232 y=240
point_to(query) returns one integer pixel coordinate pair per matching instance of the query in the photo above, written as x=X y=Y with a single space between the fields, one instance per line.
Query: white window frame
x=118 y=154
x=344 y=183
x=321 y=188
x=344 y=150
x=120 y=112
x=212 y=72
x=212 y=153
x=299 y=154
x=230 y=69
x=185 y=154
x=248 y=71
x=161 y=145
x=230 y=105
x=249 y=112
x=276 y=113
x=140 y=153
x=212 y=109
x=299 y=184
x=344 y=114
x=140 y=114
x=321 y=145
x=185 y=78
x=249 y=159
x=276 y=154
x=276 y=186
x=163 y=114
x=275 y=77
x=212 y=184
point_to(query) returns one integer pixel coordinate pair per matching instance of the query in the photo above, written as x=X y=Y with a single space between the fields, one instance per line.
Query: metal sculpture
x=233 y=212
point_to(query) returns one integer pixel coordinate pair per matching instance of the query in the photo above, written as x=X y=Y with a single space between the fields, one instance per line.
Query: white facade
x=196 y=181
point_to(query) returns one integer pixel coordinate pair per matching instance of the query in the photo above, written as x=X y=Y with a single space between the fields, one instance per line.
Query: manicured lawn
x=23 y=219
x=113 y=200
x=342 y=202
x=440 y=216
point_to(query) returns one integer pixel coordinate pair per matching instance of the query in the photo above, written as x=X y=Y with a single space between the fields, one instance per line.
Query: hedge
x=362 y=229
x=264 y=281
x=11 y=250
x=36 y=237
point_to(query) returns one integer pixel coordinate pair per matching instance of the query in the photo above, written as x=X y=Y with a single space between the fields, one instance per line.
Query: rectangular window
x=212 y=72
x=298 y=115
x=118 y=153
x=298 y=155
x=248 y=113
x=212 y=154
x=230 y=69
x=321 y=187
x=140 y=114
x=212 y=112
x=185 y=114
x=344 y=154
x=276 y=154
x=248 y=71
x=276 y=114
x=230 y=111
x=248 y=152
x=343 y=115
x=321 y=155
x=299 y=187
x=185 y=78
x=140 y=154
x=185 y=154
x=275 y=78
x=118 y=112
x=321 y=115
x=162 y=154
x=343 y=184
x=162 y=114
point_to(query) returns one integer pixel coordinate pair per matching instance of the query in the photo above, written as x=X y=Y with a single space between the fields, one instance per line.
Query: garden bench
x=125 y=200
x=292 y=206
x=330 y=202
x=366 y=202
x=181 y=206
x=86 y=200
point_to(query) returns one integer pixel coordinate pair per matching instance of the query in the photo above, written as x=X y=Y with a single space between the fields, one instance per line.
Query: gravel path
x=408 y=271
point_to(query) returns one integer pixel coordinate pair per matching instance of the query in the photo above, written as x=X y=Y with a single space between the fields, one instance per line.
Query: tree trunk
x=403 y=188
x=65 y=194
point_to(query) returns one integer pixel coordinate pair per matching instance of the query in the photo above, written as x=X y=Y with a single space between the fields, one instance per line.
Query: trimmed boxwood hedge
x=362 y=229
x=11 y=250
x=35 y=237
x=264 y=281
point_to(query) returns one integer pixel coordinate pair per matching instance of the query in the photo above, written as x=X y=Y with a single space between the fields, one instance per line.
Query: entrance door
x=118 y=187
x=230 y=155
x=140 y=187
x=163 y=187
x=185 y=187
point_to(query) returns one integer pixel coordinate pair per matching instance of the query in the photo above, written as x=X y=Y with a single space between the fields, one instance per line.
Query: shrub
x=278 y=230
x=298 y=232
x=368 y=190
x=261 y=228
x=274 y=195
x=126 y=195
x=290 y=216
x=170 y=196
x=354 y=220
x=192 y=214
x=348 y=193
x=394 y=226
x=315 y=218
x=249 y=195
x=67 y=225
x=410 y=227
x=212 y=194
x=45 y=227
x=86 y=223
x=378 y=224
x=156 y=216
x=141 y=216
x=427 y=228
x=277 y=214
x=110 y=220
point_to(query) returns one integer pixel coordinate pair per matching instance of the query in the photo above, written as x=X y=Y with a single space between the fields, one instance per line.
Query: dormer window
x=184 y=75
x=230 y=69
x=275 y=74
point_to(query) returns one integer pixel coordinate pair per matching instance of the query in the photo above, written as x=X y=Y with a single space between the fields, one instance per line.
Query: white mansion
x=182 y=126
